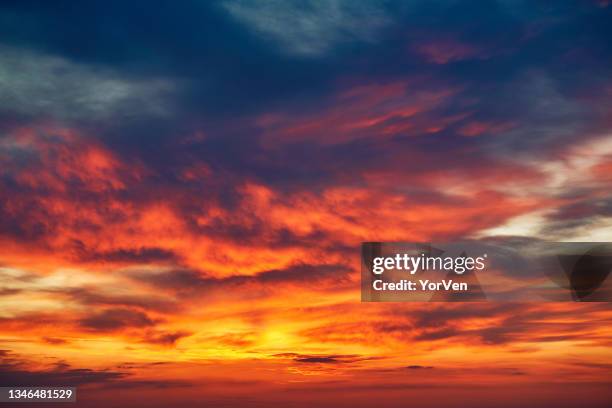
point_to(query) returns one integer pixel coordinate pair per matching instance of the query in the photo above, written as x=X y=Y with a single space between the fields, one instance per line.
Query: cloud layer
x=183 y=192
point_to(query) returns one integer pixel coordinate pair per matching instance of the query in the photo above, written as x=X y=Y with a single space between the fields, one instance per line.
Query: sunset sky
x=185 y=186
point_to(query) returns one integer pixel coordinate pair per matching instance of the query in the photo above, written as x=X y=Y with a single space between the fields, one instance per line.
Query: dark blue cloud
x=144 y=77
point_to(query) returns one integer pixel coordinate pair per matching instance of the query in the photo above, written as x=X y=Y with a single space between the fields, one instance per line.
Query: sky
x=184 y=188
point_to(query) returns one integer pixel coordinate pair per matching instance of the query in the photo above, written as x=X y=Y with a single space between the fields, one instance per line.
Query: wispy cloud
x=312 y=28
x=37 y=84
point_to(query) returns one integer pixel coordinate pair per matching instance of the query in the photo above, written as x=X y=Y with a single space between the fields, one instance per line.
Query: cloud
x=115 y=319
x=136 y=255
x=98 y=297
x=165 y=338
x=9 y=291
x=371 y=110
x=548 y=115
x=339 y=359
x=313 y=28
x=42 y=85
x=72 y=377
x=55 y=340
x=14 y=371
x=432 y=328
x=194 y=283
x=322 y=360
x=444 y=51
